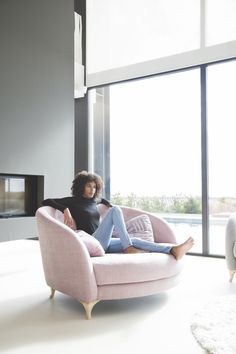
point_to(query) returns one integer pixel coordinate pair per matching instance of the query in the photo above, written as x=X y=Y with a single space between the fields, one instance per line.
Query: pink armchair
x=69 y=268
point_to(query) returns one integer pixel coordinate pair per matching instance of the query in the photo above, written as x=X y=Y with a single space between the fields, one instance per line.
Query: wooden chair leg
x=88 y=306
x=52 y=293
x=231 y=273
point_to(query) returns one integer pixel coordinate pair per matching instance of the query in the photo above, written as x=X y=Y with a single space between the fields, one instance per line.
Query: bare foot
x=180 y=250
x=132 y=249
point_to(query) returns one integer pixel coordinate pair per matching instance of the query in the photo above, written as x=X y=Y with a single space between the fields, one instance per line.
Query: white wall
x=36 y=98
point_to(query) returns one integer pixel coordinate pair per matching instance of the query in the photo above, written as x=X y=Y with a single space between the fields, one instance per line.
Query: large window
x=156 y=148
x=163 y=142
x=169 y=142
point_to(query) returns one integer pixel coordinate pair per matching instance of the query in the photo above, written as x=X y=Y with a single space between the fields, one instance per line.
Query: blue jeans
x=114 y=218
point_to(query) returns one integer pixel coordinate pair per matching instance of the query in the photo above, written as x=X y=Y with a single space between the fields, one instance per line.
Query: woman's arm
x=59 y=205
x=106 y=202
x=55 y=203
x=68 y=220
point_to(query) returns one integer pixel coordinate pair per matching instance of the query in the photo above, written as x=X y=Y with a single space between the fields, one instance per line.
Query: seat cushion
x=120 y=268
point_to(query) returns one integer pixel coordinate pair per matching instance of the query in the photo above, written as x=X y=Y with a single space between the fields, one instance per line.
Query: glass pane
x=222 y=146
x=220 y=21
x=121 y=32
x=155 y=149
x=12 y=196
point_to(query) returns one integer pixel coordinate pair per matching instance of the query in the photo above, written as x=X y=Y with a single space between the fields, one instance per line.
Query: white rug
x=214 y=326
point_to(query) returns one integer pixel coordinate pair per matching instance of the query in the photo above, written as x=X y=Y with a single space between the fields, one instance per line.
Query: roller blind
x=135 y=38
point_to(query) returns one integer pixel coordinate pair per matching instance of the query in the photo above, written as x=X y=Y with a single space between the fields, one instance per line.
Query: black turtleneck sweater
x=83 y=210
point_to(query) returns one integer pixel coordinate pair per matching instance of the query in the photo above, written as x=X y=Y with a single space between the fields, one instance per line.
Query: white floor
x=31 y=323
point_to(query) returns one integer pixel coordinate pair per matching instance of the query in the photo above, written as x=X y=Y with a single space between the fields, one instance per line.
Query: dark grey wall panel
x=81 y=104
x=36 y=92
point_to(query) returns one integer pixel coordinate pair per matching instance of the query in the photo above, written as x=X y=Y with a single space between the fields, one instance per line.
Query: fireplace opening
x=20 y=195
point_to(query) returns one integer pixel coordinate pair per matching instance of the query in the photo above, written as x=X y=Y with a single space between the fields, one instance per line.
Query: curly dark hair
x=80 y=181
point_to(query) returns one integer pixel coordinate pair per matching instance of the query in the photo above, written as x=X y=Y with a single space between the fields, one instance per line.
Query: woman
x=81 y=207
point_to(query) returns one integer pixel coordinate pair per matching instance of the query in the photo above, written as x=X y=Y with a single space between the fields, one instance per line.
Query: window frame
x=102 y=166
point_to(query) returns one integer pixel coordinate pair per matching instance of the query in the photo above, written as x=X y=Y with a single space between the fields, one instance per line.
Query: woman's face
x=89 y=190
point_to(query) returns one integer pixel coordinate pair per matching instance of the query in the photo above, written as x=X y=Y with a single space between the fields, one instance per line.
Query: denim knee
x=116 y=209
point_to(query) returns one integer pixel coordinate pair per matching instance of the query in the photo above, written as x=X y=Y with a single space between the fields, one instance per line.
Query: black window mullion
x=205 y=206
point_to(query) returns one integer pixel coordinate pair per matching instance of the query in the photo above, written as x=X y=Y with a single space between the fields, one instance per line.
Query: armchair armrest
x=66 y=261
x=230 y=240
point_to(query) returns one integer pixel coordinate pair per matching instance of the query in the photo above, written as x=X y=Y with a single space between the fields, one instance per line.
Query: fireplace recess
x=20 y=195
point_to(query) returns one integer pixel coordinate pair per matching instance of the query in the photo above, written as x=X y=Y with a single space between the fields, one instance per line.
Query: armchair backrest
x=162 y=231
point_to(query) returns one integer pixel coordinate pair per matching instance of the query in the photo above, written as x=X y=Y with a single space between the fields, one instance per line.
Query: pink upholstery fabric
x=69 y=268
x=66 y=261
x=161 y=230
x=121 y=268
x=93 y=246
x=124 y=291
x=58 y=215
x=140 y=226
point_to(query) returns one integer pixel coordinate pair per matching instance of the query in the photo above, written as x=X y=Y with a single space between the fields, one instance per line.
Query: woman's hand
x=68 y=220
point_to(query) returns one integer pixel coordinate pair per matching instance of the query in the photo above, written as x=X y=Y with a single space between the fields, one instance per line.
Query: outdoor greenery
x=176 y=204
x=180 y=204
